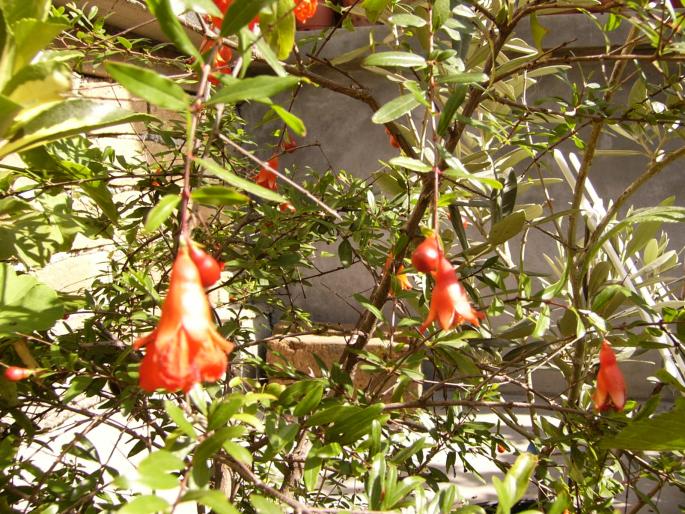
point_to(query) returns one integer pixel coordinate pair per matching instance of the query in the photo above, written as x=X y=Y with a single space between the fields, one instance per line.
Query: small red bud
x=15 y=373
x=208 y=266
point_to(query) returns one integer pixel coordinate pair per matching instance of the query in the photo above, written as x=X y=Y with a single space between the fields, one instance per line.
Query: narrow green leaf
x=453 y=103
x=395 y=108
x=407 y=20
x=263 y=86
x=395 y=59
x=173 y=29
x=239 y=14
x=537 y=30
x=312 y=470
x=506 y=228
x=293 y=122
x=463 y=78
x=218 y=196
x=215 y=500
x=160 y=212
x=410 y=164
x=149 y=85
x=239 y=182
x=264 y=505
x=177 y=415
x=31 y=36
x=239 y=453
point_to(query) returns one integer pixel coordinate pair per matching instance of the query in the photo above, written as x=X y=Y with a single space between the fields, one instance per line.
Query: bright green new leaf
x=149 y=85
x=374 y=8
x=31 y=36
x=663 y=432
x=410 y=164
x=294 y=123
x=215 y=500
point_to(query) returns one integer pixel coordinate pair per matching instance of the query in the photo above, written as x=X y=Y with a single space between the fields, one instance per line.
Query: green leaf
x=453 y=103
x=18 y=9
x=264 y=506
x=201 y=6
x=145 y=505
x=8 y=110
x=407 y=20
x=215 y=500
x=177 y=415
x=149 y=85
x=507 y=227
x=239 y=14
x=26 y=304
x=310 y=400
x=374 y=8
x=395 y=59
x=254 y=88
x=463 y=78
x=160 y=212
x=160 y=461
x=31 y=36
x=270 y=57
x=294 y=123
x=441 y=12
x=410 y=164
x=395 y=108
x=39 y=83
x=663 y=432
x=172 y=27
x=218 y=195
x=537 y=30
x=66 y=119
x=239 y=182
x=312 y=470
x=239 y=453
x=345 y=253
x=278 y=26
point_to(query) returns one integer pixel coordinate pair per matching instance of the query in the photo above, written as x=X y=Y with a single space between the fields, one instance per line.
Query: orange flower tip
x=286 y=207
x=15 y=373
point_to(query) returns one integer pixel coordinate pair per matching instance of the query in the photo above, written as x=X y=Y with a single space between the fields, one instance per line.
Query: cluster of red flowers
x=222 y=60
x=304 y=10
x=185 y=348
x=450 y=305
x=267 y=179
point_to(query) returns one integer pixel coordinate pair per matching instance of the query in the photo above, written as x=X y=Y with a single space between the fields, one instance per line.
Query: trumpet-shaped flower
x=185 y=348
x=611 y=387
x=450 y=304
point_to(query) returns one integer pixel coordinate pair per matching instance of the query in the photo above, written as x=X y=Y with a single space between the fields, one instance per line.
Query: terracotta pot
x=324 y=17
x=357 y=19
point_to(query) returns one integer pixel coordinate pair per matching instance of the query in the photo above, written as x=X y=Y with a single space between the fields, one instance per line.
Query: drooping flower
x=427 y=255
x=15 y=373
x=305 y=9
x=209 y=268
x=611 y=386
x=267 y=178
x=185 y=348
x=450 y=305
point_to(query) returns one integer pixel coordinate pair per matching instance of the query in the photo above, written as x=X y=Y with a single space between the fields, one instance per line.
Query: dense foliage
x=491 y=169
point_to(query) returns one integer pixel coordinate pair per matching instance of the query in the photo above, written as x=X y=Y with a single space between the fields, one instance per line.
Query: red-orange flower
x=611 y=387
x=209 y=268
x=267 y=178
x=222 y=60
x=450 y=304
x=305 y=9
x=223 y=6
x=289 y=143
x=393 y=140
x=185 y=348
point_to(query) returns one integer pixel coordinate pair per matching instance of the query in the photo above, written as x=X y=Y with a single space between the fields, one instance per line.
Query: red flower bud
x=611 y=386
x=426 y=256
x=208 y=266
x=15 y=373
x=289 y=144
